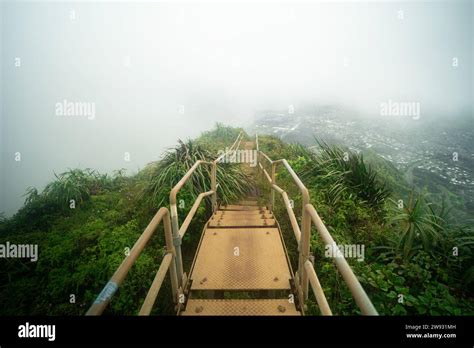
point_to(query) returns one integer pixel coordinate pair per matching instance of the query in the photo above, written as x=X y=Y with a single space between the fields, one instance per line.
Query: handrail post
x=258 y=162
x=171 y=249
x=177 y=243
x=304 y=247
x=271 y=189
x=214 y=186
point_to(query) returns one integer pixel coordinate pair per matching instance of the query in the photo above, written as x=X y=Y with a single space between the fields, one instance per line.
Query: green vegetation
x=166 y=173
x=417 y=261
x=81 y=245
x=339 y=170
x=84 y=222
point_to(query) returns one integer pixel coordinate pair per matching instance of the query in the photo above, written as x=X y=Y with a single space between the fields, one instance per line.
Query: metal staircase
x=241 y=266
x=241 y=251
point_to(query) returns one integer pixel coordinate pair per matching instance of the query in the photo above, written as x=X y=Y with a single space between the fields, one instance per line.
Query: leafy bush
x=411 y=289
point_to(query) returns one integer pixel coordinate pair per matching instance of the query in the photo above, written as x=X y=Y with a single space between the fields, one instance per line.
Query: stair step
x=240 y=307
x=241 y=259
x=252 y=203
x=251 y=198
x=241 y=207
x=252 y=221
x=242 y=214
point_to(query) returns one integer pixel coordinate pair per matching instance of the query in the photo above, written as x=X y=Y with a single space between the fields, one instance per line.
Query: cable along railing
x=306 y=274
x=172 y=261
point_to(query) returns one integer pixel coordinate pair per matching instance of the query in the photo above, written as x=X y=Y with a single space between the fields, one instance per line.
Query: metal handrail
x=304 y=233
x=306 y=274
x=168 y=263
x=291 y=213
x=289 y=209
x=178 y=232
x=266 y=157
x=317 y=289
x=156 y=285
x=239 y=139
x=358 y=292
x=189 y=217
x=174 y=216
x=172 y=261
x=304 y=245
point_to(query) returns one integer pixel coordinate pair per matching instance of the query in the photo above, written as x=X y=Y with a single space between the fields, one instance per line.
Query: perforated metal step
x=241 y=259
x=241 y=214
x=252 y=203
x=241 y=207
x=248 y=221
x=240 y=307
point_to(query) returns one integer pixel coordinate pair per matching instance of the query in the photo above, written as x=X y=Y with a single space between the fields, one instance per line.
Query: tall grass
x=342 y=170
x=166 y=173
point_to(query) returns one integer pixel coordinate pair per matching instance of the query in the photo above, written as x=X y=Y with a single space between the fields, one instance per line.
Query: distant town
x=429 y=154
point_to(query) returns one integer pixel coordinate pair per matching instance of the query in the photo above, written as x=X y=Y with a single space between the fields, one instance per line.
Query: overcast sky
x=156 y=72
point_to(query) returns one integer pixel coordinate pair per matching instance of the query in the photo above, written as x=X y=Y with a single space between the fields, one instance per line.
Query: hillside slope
x=408 y=250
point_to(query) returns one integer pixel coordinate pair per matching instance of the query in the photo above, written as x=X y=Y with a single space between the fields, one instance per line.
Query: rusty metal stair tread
x=244 y=215
x=256 y=221
x=242 y=212
x=251 y=203
x=261 y=262
x=241 y=207
x=240 y=307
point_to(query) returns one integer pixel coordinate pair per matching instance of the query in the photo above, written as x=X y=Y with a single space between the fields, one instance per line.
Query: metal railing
x=306 y=275
x=178 y=232
x=172 y=261
x=174 y=234
x=358 y=292
x=168 y=263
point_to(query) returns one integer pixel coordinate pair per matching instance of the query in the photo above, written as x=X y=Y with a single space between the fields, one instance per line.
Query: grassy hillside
x=84 y=223
x=80 y=247
x=409 y=267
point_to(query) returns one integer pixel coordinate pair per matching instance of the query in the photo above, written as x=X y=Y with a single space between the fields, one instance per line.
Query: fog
x=156 y=72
